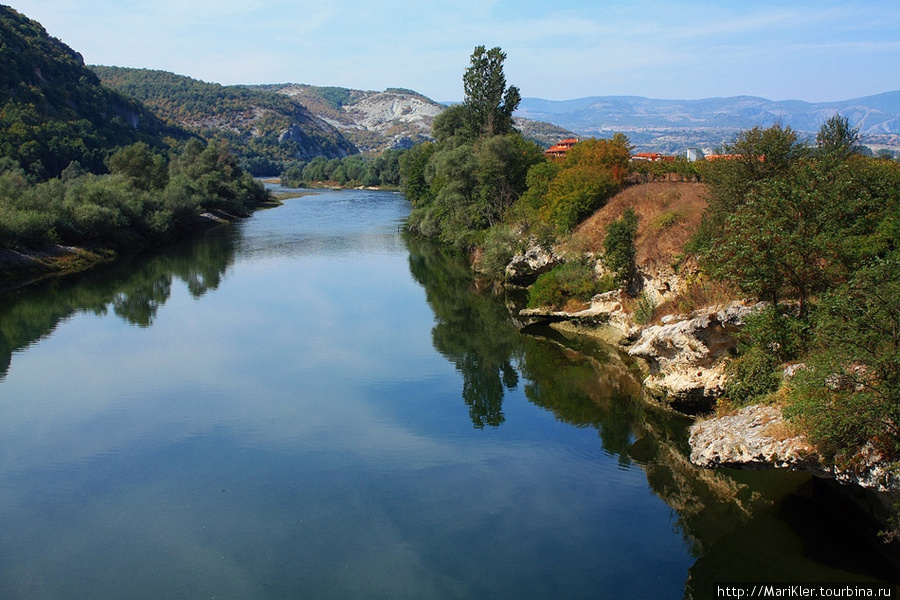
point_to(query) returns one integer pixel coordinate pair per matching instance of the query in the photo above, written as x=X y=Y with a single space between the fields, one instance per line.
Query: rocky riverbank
x=684 y=358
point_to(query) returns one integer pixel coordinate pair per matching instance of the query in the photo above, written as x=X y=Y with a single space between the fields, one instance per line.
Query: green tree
x=619 y=247
x=145 y=169
x=837 y=139
x=849 y=393
x=489 y=102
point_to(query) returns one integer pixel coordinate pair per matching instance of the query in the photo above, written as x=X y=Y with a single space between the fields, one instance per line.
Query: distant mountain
x=53 y=109
x=394 y=118
x=712 y=121
x=264 y=128
x=374 y=121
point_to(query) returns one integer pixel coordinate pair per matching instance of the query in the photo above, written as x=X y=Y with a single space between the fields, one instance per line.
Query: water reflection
x=133 y=288
x=739 y=525
x=473 y=330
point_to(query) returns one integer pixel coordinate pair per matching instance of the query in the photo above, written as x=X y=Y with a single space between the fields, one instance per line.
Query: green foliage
x=837 y=140
x=500 y=244
x=143 y=168
x=458 y=189
x=53 y=110
x=489 y=104
x=770 y=337
x=667 y=219
x=751 y=376
x=619 y=247
x=643 y=309
x=144 y=200
x=573 y=280
x=593 y=171
x=849 y=392
x=821 y=229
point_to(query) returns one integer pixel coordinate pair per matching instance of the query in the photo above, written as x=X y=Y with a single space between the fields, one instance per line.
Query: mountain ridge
x=713 y=121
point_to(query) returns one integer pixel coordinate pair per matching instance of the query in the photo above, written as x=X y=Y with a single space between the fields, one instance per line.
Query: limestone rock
x=686 y=357
x=757 y=437
x=525 y=268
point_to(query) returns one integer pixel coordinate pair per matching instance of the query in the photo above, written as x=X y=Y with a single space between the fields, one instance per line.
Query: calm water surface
x=306 y=405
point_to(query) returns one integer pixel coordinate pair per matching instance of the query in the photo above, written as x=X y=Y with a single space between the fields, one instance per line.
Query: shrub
x=643 y=309
x=571 y=280
x=619 y=248
x=500 y=245
x=751 y=375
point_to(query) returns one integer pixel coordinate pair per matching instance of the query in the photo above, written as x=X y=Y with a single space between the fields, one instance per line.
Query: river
x=305 y=404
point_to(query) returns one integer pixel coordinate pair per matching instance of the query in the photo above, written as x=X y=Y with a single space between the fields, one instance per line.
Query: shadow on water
x=740 y=525
x=133 y=288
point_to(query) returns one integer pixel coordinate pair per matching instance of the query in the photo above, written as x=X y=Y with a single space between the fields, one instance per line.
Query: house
x=559 y=149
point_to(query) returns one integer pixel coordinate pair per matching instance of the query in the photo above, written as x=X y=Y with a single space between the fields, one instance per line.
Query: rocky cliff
x=394 y=118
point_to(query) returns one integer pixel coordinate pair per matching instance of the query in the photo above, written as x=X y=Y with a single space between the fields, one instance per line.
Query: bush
x=619 y=248
x=575 y=280
x=751 y=375
x=500 y=245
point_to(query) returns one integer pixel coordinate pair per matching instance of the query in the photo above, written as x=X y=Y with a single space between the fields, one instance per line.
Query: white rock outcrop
x=757 y=437
x=524 y=268
x=686 y=356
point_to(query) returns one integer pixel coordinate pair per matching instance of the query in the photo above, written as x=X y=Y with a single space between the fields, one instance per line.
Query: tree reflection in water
x=590 y=384
x=134 y=288
x=473 y=330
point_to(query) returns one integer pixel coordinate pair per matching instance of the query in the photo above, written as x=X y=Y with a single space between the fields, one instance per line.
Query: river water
x=307 y=405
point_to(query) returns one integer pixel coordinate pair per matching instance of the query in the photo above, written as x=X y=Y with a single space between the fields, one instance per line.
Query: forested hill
x=264 y=128
x=53 y=109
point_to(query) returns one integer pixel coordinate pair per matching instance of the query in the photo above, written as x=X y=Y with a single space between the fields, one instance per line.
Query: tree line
x=147 y=197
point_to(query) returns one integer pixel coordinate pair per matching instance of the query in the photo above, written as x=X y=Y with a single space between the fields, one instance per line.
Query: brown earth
x=668 y=213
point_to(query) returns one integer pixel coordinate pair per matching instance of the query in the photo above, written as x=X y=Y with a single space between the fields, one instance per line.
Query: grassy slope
x=668 y=213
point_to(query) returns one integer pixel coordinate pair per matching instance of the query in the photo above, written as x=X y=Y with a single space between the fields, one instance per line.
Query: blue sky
x=806 y=50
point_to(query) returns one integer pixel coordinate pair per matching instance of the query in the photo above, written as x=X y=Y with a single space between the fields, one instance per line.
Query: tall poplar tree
x=489 y=103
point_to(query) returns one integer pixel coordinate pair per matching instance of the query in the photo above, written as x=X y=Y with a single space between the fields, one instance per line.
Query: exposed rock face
x=685 y=356
x=525 y=268
x=309 y=147
x=757 y=437
x=374 y=121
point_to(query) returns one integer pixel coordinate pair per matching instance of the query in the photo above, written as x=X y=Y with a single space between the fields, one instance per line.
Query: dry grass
x=668 y=214
x=699 y=293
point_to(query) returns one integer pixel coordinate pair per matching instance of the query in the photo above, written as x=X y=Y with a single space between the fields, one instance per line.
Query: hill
x=263 y=127
x=394 y=118
x=672 y=125
x=668 y=214
x=374 y=121
x=53 y=109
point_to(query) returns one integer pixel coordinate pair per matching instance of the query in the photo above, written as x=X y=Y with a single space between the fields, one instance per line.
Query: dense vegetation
x=268 y=131
x=53 y=110
x=351 y=171
x=147 y=198
x=480 y=176
x=813 y=230
x=81 y=164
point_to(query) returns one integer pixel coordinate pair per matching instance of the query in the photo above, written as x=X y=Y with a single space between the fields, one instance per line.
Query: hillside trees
x=815 y=233
x=591 y=173
x=53 y=110
x=148 y=198
x=476 y=169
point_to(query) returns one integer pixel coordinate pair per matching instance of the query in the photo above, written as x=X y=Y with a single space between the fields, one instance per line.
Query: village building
x=560 y=149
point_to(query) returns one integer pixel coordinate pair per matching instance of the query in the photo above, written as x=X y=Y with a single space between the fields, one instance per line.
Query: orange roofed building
x=559 y=150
